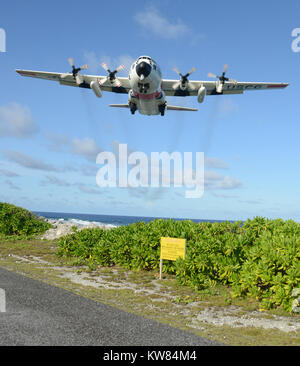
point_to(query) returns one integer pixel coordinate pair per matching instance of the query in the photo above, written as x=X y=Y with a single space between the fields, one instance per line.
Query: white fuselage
x=146 y=94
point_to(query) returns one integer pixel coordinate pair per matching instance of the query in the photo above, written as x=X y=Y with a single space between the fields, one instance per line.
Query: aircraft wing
x=228 y=88
x=68 y=79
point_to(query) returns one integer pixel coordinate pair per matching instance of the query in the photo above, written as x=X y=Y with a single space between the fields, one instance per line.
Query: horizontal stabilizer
x=119 y=105
x=175 y=108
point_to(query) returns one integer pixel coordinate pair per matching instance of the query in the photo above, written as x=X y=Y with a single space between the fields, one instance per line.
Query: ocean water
x=107 y=220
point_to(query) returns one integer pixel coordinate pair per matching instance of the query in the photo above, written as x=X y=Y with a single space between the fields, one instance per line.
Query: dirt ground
x=212 y=313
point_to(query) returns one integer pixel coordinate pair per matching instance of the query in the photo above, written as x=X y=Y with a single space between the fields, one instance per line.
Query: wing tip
x=281 y=85
x=25 y=72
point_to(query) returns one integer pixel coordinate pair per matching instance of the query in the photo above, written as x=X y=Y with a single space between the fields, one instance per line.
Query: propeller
x=183 y=83
x=221 y=78
x=75 y=72
x=111 y=75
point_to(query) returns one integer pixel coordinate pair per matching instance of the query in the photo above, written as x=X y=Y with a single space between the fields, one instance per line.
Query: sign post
x=171 y=249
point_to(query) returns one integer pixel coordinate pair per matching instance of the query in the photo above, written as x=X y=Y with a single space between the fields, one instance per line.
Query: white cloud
x=88 y=189
x=56 y=181
x=92 y=60
x=12 y=185
x=211 y=176
x=215 y=180
x=17 y=121
x=220 y=195
x=151 y=20
x=89 y=170
x=52 y=180
x=57 y=141
x=8 y=173
x=27 y=161
x=228 y=183
x=216 y=163
x=252 y=202
x=86 y=148
x=125 y=60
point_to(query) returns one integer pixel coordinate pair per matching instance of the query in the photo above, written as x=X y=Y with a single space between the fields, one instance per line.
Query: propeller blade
x=211 y=75
x=191 y=71
x=84 y=67
x=222 y=79
x=63 y=76
x=121 y=67
x=219 y=88
x=176 y=85
x=79 y=79
x=102 y=81
x=117 y=83
x=75 y=72
x=71 y=61
x=176 y=70
x=104 y=65
x=183 y=83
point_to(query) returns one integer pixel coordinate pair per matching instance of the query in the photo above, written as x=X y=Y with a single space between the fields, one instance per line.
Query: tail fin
x=175 y=108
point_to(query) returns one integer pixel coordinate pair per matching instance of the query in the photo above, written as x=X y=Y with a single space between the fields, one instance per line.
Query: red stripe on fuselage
x=146 y=96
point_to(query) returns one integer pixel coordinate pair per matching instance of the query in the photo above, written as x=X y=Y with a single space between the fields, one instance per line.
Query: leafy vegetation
x=259 y=258
x=19 y=221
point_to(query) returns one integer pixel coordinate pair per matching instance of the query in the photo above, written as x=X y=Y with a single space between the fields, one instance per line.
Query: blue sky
x=50 y=134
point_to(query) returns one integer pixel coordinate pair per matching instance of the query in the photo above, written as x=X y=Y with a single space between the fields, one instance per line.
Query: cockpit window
x=146 y=58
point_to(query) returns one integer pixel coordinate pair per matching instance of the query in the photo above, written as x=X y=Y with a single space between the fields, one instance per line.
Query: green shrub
x=259 y=258
x=272 y=268
x=19 y=221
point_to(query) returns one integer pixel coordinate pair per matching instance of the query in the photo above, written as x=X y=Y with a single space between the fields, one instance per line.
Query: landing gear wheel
x=132 y=107
x=161 y=109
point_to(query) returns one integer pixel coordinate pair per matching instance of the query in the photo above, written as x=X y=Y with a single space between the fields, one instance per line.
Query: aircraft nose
x=143 y=68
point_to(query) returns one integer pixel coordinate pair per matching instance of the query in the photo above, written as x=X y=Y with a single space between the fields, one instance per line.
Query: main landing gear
x=161 y=109
x=132 y=107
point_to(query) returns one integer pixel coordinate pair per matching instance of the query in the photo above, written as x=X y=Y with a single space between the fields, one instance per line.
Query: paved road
x=40 y=314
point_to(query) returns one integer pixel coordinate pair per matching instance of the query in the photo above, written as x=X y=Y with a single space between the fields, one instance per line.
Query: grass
x=142 y=293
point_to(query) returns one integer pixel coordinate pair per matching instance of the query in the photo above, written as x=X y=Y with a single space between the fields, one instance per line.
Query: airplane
x=146 y=89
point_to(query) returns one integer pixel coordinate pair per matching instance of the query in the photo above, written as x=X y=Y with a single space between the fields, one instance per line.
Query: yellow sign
x=172 y=248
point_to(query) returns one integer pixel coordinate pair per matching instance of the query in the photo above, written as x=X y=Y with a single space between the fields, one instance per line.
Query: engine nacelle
x=96 y=88
x=201 y=94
